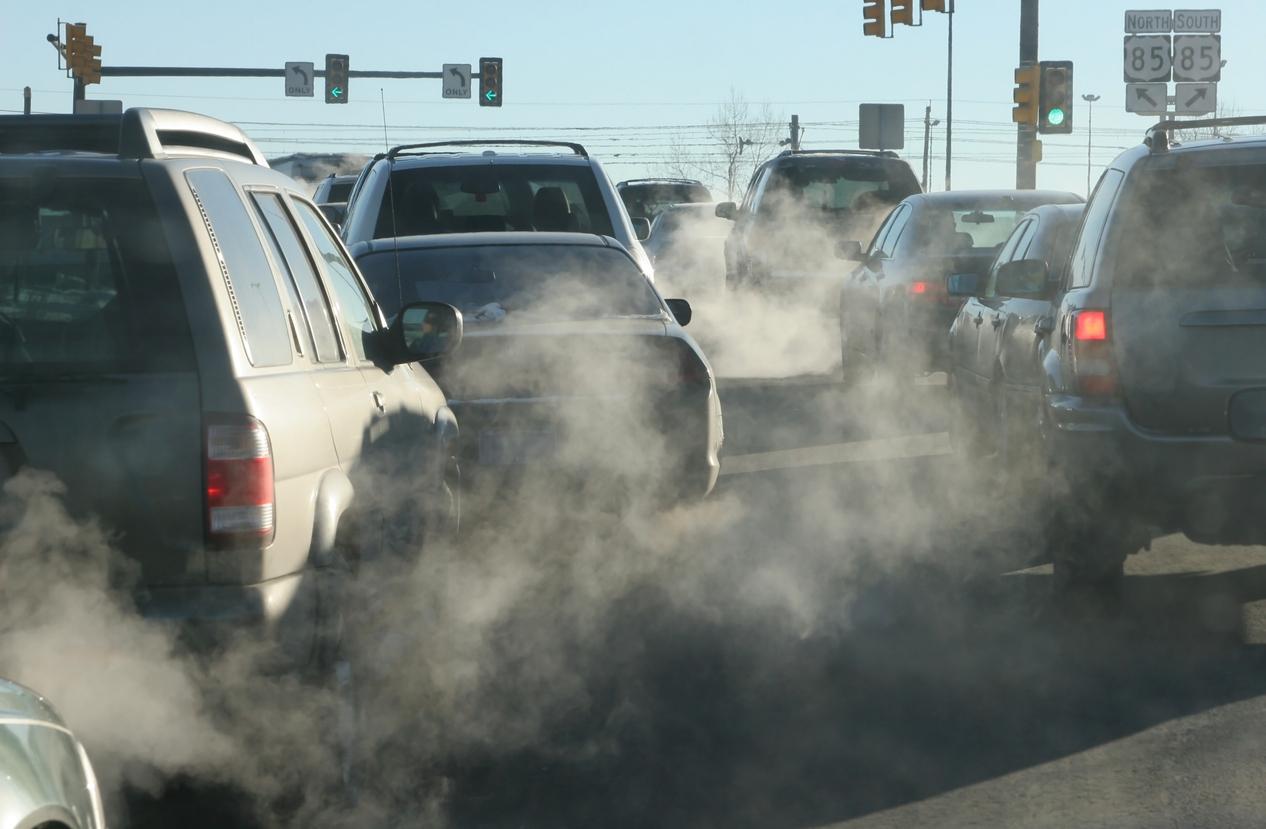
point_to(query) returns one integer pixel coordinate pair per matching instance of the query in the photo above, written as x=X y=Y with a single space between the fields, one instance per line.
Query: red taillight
x=1093 y=363
x=1089 y=326
x=918 y=288
x=239 y=480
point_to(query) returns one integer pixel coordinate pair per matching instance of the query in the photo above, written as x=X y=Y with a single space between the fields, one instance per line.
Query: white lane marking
x=876 y=449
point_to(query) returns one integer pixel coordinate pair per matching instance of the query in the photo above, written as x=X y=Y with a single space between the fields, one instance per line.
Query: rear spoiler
x=1157 y=138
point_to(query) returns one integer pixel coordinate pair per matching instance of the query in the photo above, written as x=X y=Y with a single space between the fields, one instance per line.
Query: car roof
x=968 y=199
x=489 y=239
x=463 y=159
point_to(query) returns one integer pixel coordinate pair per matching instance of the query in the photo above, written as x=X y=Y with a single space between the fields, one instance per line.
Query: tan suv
x=186 y=344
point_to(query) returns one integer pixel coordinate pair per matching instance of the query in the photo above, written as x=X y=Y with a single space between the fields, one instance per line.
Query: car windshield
x=86 y=279
x=461 y=198
x=1219 y=238
x=493 y=281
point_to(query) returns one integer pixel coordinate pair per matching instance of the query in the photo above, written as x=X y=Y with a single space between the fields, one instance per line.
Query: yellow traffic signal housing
x=1025 y=96
x=1034 y=151
x=902 y=12
x=75 y=34
x=83 y=56
x=873 y=15
x=934 y=5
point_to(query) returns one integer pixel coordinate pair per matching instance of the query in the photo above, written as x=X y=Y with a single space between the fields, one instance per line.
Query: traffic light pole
x=1026 y=134
x=949 y=98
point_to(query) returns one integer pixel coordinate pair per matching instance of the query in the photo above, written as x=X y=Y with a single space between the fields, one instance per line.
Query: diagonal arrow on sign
x=1142 y=95
x=1202 y=92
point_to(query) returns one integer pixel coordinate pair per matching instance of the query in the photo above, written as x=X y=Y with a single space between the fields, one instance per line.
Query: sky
x=628 y=79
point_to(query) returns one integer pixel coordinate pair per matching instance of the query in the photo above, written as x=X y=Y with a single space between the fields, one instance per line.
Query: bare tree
x=739 y=136
x=1223 y=111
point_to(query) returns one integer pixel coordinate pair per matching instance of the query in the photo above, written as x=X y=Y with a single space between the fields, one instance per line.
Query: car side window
x=354 y=308
x=293 y=256
x=878 y=239
x=1020 y=237
x=900 y=219
x=1082 y=260
x=245 y=267
x=758 y=192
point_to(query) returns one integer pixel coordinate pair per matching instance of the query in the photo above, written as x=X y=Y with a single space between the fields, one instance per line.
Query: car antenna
x=391 y=196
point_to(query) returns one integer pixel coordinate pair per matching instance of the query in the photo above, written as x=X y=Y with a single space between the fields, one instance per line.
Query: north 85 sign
x=1147 y=58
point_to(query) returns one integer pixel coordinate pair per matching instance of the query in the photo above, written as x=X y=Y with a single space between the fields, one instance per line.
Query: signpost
x=300 y=76
x=456 y=80
x=1184 y=46
x=882 y=126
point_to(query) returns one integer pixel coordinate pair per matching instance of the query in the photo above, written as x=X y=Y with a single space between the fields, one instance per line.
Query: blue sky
x=646 y=72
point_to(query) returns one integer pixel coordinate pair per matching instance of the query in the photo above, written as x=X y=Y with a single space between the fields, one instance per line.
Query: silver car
x=47 y=780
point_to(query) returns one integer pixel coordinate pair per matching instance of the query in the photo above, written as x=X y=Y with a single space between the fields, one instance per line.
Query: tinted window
x=485 y=197
x=1021 y=237
x=861 y=183
x=1082 y=259
x=651 y=199
x=294 y=258
x=354 y=309
x=87 y=282
x=881 y=235
x=246 y=268
x=537 y=281
x=1218 y=239
x=340 y=190
x=900 y=219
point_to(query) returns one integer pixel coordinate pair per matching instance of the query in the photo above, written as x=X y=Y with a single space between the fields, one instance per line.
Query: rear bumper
x=281 y=612
x=1213 y=488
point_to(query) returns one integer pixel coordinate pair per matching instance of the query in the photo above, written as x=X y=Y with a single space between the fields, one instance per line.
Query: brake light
x=239 y=480
x=918 y=288
x=1093 y=364
x=1089 y=326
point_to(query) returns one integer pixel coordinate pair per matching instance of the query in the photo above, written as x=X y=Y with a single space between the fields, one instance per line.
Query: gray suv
x=186 y=344
x=1153 y=407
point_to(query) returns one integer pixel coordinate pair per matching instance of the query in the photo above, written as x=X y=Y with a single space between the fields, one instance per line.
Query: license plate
x=513 y=448
x=1248 y=415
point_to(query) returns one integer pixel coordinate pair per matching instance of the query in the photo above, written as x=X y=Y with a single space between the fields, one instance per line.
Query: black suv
x=1153 y=412
x=800 y=204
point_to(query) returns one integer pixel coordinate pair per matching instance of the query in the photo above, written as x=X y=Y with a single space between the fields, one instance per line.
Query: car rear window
x=860 y=183
x=537 y=281
x=87 y=282
x=490 y=197
x=339 y=191
x=649 y=200
x=1193 y=227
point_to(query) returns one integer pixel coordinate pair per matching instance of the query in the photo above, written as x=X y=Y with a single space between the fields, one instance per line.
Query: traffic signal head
x=336 y=67
x=903 y=12
x=1055 y=100
x=873 y=18
x=1025 y=95
x=83 y=57
x=490 y=82
x=934 y=5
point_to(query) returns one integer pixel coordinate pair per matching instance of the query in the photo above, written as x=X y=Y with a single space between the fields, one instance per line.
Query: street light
x=1090 y=133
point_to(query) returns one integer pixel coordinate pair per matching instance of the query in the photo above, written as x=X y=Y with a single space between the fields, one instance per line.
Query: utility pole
x=928 y=123
x=1026 y=134
x=1090 y=133
x=949 y=97
x=794 y=140
x=26 y=100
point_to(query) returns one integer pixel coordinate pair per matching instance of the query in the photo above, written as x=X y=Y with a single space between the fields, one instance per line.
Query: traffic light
x=83 y=57
x=490 y=82
x=1055 y=100
x=934 y=5
x=873 y=15
x=1025 y=96
x=336 y=79
x=902 y=12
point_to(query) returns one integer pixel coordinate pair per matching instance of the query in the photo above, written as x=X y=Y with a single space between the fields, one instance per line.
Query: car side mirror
x=681 y=311
x=335 y=212
x=850 y=250
x=963 y=284
x=726 y=210
x=425 y=330
x=1026 y=278
x=641 y=228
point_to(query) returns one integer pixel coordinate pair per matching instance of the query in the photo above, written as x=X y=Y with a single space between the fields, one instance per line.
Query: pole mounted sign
x=300 y=77
x=882 y=126
x=1182 y=45
x=456 y=80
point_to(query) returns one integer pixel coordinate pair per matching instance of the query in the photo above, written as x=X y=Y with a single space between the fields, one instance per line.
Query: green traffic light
x=1055 y=117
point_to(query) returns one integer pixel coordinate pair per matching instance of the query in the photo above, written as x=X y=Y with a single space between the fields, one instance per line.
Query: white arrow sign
x=1195 y=98
x=456 y=81
x=299 y=79
x=1146 y=98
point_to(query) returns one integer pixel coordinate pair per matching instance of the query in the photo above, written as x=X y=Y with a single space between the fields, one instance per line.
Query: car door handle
x=380 y=403
x=998 y=320
x=978 y=319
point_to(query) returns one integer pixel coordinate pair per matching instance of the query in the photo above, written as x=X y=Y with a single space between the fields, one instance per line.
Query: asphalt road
x=848 y=635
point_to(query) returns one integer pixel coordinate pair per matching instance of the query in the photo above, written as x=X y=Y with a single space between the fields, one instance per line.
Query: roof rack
x=507 y=142
x=1157 y=138
x=876 y=153
x=659 y=179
